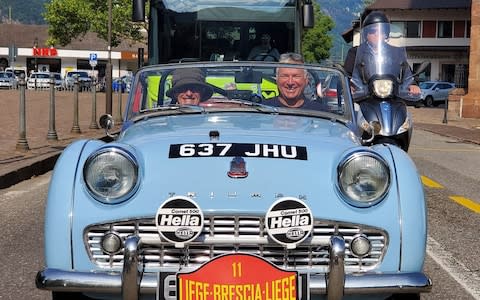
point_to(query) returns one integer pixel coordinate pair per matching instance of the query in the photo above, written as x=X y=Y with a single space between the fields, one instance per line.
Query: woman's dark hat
x=189 y=79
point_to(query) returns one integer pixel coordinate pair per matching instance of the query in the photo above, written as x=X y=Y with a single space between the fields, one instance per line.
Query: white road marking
x=461 y=273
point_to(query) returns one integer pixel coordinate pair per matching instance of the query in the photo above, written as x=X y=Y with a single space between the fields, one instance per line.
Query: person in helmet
x=374 y=44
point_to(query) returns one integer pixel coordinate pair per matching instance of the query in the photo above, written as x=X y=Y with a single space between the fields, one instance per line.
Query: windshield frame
x=135 y=111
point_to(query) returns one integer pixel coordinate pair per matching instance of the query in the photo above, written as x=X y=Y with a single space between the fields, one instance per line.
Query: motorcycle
x=382 y=83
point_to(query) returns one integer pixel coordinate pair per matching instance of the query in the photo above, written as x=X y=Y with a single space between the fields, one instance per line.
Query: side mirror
x=308 y=15
x=138 y=11
x=107 y=123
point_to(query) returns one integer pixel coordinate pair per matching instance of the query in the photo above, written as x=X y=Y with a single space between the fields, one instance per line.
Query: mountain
x=22 y=11
x=343 y=12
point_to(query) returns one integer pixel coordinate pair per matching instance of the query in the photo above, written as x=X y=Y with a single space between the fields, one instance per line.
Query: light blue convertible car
x=263 y=190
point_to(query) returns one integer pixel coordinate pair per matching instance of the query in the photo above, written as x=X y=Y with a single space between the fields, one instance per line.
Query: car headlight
x=383 y=88
x=363 y=178
x=111 y=175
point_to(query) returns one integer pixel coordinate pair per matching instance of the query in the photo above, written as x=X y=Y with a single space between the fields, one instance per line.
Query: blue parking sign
x=93 y=56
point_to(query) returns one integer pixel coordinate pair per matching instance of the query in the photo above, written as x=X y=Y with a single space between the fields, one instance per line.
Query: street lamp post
x=35 y=47
x=108 y=71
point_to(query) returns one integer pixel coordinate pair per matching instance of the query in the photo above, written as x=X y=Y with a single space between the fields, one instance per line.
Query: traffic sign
x=93 y=59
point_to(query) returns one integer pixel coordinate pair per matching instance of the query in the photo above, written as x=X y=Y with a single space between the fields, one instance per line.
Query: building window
x=459 y=29
x=397 y=29
x=429 y=29
x=469 y=25
x=445 y=29
x=413 y=29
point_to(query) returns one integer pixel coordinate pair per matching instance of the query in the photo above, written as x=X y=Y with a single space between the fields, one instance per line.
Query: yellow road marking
x=472 y=205
x=430 y=183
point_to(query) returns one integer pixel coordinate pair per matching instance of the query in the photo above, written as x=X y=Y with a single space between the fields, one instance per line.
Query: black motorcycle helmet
x=374 y=17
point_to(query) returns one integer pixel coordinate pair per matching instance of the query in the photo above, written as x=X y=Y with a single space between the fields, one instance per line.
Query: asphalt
x=23 y=156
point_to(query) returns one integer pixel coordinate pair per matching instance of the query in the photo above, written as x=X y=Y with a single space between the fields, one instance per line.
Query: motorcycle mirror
x=308 y=15
x=422 y=68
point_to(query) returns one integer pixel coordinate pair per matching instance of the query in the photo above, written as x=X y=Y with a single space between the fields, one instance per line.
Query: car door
x=441 y=91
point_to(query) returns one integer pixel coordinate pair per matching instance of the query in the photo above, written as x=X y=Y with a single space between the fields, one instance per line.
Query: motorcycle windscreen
x=377 y=58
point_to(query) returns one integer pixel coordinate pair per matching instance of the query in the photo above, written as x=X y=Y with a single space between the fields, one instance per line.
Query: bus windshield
x=214 y=30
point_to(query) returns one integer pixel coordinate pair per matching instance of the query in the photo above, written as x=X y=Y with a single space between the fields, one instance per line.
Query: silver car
x=435 y=92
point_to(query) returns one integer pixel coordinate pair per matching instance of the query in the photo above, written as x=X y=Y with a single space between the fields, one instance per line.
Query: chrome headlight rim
x=346 y=196
x=129 y=157
x=383 y=88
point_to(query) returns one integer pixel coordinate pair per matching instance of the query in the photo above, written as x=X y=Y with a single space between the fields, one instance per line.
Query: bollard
x=93 y=123
x=445 y=112
x=22 y=143
x=52 y=133
x=75 y=127
x=118 y=117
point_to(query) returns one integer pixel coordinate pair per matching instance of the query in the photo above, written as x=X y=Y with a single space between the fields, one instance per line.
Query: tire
x=429 y=101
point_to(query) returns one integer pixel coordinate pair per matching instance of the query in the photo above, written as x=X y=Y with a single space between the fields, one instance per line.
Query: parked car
x=123 y=84
x=41 y=80
x=84 y=80
x=38 y=80
x=233 y=195
x=435 y=92
x=8 y=80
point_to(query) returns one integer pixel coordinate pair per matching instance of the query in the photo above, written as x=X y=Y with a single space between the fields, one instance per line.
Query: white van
x=18 y=71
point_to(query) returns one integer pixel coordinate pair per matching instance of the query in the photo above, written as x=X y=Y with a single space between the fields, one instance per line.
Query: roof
x=423 y=4
x=23 y=36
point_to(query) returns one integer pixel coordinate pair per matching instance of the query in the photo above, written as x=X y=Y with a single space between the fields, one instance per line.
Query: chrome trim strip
x=110 y=283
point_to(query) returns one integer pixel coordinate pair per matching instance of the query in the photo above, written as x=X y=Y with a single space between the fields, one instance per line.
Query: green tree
x=71 y=19
x=316 y=41
x=367 y=3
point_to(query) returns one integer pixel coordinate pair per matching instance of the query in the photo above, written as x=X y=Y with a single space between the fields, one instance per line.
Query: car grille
x=227 y=234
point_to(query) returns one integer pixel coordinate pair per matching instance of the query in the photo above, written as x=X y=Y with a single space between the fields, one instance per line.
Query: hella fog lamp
x=111 y=243
x=360 y=246
x=383 y=88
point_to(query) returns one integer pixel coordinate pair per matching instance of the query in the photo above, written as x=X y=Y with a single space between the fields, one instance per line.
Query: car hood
x=293 y=149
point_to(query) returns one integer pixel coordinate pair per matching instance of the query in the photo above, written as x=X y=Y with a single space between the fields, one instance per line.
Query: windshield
x=201 y=30
x=246 y=86
x=425 y=85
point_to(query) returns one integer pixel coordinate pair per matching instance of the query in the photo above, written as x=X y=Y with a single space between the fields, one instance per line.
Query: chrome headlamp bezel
x=383 y=88
x=358 y=173
x=115 y=168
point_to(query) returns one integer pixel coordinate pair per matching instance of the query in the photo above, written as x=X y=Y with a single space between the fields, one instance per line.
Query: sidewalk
x=17 y=165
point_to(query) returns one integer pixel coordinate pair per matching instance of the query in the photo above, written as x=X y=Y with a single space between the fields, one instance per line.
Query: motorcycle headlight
x=383 y=88
x=363 y=179
x=111 y=175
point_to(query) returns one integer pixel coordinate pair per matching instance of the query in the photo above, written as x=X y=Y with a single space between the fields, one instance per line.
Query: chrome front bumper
x=132 y=281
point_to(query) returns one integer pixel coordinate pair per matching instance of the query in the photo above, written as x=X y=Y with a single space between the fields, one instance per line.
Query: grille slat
x=222 y=234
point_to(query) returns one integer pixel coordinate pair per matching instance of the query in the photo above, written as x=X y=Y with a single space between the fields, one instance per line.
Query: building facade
x=25 y=47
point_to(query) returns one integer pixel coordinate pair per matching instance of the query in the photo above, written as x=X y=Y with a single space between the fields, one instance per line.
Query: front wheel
x=429 y=101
